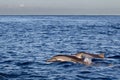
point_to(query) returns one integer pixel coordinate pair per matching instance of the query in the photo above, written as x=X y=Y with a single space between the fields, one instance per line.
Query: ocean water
x=26 y=42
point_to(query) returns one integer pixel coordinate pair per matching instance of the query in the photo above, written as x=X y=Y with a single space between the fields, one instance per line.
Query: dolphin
x=64 y=58
x=88 y=55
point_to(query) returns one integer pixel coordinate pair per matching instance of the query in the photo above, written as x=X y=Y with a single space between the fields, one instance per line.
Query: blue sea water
x=26 y=42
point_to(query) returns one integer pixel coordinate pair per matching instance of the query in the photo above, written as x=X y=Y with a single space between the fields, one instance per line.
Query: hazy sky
x=52 y=7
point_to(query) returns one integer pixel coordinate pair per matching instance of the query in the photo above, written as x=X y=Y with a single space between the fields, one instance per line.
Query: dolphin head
x=51 y=60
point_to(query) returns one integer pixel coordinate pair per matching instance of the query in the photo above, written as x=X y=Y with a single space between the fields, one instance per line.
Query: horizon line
x=59 y=14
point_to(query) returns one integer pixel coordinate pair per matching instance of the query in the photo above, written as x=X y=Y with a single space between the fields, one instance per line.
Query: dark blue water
x=26 y=42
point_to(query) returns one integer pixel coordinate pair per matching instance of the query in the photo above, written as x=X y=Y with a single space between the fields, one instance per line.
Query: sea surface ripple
x=26 y=42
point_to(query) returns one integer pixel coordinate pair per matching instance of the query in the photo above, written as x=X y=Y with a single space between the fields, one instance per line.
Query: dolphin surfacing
x=64 y=58
x=88 y=55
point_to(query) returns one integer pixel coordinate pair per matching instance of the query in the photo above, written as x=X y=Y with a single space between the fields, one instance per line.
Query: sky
x=59 y=7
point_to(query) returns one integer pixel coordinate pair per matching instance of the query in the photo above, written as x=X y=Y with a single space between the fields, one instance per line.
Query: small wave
x=2 y=77
x=41 y=77
x=117 y=67
x=114 y=57
x=67 y=64
x=64 y=64
x=8 y=75
x=96 y=59
x=23 y=63
x=115 y=26
x=83 y=77
x=102 y=78
x=85 y=72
